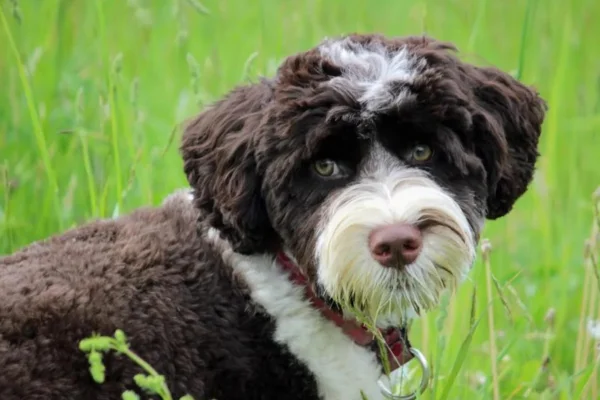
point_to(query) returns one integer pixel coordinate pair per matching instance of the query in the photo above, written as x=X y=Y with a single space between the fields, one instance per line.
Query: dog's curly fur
x=150 y=274
x=154 y=273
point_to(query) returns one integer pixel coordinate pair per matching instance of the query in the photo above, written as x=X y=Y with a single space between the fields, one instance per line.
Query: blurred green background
x=92 y=92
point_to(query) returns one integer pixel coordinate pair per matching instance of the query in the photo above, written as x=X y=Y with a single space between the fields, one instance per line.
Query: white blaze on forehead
x=369 y=72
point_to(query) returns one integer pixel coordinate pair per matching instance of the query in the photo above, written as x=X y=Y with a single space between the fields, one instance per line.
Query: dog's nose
x=395 y=245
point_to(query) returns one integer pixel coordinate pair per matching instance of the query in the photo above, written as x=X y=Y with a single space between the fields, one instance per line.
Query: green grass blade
x=38 y=131
x=524 y=32
x=459 y=360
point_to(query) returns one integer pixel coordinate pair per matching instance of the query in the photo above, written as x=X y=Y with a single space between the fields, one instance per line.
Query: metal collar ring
x=424 y=380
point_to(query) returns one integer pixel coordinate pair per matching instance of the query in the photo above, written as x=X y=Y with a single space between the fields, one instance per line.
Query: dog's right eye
x=327 y=168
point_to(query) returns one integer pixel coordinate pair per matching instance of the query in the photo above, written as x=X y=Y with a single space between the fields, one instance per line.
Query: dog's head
x=372 y=161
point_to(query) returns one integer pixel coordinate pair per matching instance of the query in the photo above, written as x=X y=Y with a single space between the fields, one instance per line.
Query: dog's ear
x=219 y=161
x=507 y=128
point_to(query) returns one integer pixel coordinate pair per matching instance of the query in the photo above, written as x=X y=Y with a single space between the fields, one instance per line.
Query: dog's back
x=149 y=274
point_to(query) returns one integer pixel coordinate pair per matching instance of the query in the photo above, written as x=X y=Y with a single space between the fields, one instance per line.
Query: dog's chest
x=341 y=369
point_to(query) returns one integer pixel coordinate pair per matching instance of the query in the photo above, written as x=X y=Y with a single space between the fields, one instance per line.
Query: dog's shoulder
x=146 y=272
x=150 y=247
x=129 y=244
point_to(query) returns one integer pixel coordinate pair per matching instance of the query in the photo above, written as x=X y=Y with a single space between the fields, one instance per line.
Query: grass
x=151 y=382
x=92 y=92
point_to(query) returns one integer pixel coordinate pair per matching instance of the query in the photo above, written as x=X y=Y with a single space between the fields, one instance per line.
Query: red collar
x=395 y=338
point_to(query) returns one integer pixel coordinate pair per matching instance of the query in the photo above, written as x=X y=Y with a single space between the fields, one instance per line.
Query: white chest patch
x=341 y=368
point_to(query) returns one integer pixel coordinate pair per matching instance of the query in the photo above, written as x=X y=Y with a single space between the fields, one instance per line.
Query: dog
x=329 y=205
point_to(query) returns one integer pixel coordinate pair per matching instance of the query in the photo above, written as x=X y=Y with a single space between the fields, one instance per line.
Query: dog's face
x=372 y=161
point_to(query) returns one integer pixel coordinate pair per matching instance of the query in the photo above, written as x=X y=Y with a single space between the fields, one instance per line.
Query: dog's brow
x=373 y=75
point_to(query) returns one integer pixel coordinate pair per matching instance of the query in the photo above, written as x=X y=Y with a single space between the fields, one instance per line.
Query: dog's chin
x=396 y=316
x=391 y=297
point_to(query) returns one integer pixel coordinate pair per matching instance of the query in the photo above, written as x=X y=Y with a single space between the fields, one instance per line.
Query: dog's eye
x=421 y=153
x=327 y=168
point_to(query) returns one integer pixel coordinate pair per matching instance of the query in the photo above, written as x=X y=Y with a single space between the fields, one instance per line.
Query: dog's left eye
x=421 y=153
x=327 y=168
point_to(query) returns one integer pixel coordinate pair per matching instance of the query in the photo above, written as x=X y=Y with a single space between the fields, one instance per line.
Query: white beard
x=390 y=193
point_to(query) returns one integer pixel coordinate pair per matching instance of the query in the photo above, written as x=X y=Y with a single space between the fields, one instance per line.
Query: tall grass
x=93 y=92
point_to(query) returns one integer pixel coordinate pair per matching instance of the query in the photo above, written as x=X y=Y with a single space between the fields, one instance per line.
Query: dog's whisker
x=440 y=266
